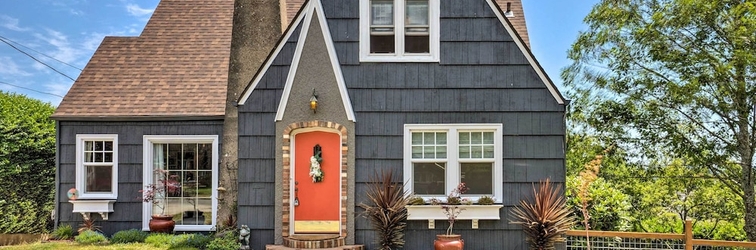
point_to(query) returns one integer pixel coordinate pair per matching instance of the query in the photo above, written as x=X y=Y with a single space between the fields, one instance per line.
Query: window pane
x=417 y=152
x=441 y=152
x=204 y=156
x=488 y=138
x=416 y=44
x=429 y=152
x=478 y=177
x=98 y=157
x=88 y=145
x=172 y=207
x=99 y=179
x=108 y=146
x=88 y=157
x=429 y=138
x=382 y=44
x=382 y=12
x=189 y=183
x=189 y=160
x=464 y=152
x=476 y=152
x=173 y=176
x=476 y=138
x=205 y=184
x=417 y=138
x=441 y=138
x=488 y=151
x=416 y=12
x=174 y=156
x=429 y=178
x=464 y=138
x=99 y=146
x=107 y=157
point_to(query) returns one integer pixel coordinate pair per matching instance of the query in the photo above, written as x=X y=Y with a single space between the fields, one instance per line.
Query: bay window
x=438 y=157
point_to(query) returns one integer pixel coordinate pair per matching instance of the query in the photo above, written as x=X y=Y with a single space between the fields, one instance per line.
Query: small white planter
x=469 y=212
x=85 y=207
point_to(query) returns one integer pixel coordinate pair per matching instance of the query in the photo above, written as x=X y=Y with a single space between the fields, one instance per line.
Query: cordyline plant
x=163 y=185
x=386 y=210
x=544 y=219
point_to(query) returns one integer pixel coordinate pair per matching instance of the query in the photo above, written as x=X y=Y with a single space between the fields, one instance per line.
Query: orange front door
x=316 y=206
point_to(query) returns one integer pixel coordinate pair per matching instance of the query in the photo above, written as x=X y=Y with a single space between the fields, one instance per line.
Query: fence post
x=688 y=235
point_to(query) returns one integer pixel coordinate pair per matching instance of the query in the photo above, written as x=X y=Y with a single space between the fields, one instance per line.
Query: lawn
x=76 y=246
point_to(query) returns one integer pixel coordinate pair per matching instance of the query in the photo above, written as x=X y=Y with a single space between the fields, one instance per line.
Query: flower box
x=85 y=207
x=470 y=212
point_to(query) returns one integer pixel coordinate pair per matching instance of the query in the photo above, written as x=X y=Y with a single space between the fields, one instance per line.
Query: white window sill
x=470 y=212
x=86 y=207
x=395 y=58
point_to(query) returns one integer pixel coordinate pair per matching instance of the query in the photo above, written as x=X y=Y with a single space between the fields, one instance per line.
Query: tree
x=27 y=164
x=673 y=77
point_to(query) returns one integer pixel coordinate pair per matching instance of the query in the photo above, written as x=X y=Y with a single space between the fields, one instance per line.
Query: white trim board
x=526 y=52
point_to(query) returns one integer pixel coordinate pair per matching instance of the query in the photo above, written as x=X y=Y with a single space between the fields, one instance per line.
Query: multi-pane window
x=97 y=166
x=438 y=157
x=191 y=164
x=396 y=30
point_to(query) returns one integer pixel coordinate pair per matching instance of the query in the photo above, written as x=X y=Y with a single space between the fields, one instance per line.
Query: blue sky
x=71 y=30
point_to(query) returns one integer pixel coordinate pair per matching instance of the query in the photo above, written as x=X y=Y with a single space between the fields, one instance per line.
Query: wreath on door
x=316 y=173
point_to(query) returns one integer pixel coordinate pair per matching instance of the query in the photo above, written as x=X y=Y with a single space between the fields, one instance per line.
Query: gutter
x=56 y=211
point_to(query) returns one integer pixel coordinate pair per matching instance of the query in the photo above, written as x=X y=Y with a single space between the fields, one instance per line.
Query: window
x=97 y=166
x=437 y=157
x=399 y=30
x=192 y=163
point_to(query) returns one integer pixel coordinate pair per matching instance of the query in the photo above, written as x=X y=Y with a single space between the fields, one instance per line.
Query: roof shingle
x=177 y=67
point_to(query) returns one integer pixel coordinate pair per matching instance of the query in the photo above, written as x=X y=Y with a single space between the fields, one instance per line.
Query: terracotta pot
x=449 y=242
x=162 y=224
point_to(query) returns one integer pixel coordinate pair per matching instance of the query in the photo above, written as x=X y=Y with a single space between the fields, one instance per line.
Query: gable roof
x=177 y=67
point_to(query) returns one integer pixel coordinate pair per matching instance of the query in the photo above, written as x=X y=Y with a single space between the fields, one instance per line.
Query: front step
x=347 y=247
x=313 y=241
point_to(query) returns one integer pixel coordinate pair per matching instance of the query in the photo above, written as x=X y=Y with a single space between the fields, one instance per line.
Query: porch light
x=314 y=102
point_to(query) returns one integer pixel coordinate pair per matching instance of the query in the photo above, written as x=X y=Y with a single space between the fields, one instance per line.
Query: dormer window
x=399 y=30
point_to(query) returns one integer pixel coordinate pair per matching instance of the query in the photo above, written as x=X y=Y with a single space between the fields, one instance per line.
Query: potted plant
x=545 y=218
x=451 y=209
x=386 y=210
x=156 y=193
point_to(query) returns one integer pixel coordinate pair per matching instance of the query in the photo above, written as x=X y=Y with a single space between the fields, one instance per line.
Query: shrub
x=27 y=164
x=385 y=210
x=129 y=236
x=486 y=200
x=159 y=240
x=89 y=237
x=63 y=232
x=199 y=241
x=225 y=242
x=545 y=217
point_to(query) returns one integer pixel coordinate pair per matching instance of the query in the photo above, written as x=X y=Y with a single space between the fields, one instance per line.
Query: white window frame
x=453 y=166
x=81 y=172
x=147 y=178
x=399 y=55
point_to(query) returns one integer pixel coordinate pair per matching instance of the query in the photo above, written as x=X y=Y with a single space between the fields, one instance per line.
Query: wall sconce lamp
x=314 y=102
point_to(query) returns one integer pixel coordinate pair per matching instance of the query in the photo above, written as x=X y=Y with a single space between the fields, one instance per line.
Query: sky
x=64 y=34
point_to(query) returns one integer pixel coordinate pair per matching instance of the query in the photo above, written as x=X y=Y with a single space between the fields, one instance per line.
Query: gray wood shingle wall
x=128 y=207
x=482 y=77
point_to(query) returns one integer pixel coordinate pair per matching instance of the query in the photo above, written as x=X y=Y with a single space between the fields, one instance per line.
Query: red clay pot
x=449 y=242
x=162 y=224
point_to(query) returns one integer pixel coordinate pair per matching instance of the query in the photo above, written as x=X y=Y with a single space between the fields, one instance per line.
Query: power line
x=35 y=59
x=41 y=92
x=43 y=54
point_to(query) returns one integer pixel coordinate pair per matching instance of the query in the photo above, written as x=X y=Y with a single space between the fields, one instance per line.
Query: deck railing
x=605 y=240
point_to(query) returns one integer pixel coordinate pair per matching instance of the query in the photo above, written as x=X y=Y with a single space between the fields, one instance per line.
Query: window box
x=85 y=207
x=470 y=212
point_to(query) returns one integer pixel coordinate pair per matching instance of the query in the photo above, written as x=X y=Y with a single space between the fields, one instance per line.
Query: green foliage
x=609 y=208
x=89 y=237
x=27 y=164
x=672 y=79
x=159 y=240
x=63 y=232
x=129 y=236
x=199 y=241
x=225 y=242
x=485 y=200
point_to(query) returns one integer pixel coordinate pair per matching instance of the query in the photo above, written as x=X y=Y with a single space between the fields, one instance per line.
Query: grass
x=75 y=246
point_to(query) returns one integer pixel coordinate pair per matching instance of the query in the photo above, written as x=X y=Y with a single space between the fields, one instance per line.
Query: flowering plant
x=315 y=172
x=451 y=208
x=163 y=185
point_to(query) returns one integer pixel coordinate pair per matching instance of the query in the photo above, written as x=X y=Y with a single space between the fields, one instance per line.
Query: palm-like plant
x=386 y=210
x=546 y=218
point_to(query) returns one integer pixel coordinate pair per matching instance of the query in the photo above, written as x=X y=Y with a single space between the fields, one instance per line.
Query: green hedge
x=27 y=164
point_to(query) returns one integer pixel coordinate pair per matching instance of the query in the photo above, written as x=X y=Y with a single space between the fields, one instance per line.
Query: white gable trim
x=270 y=60
x=526 y=52
x=295 y=61
x=315 y=7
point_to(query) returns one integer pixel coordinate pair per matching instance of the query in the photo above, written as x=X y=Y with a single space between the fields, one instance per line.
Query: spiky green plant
x=385 y=210
x=545 y=218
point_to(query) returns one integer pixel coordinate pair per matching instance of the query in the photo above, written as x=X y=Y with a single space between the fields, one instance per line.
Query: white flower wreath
x=315 y=172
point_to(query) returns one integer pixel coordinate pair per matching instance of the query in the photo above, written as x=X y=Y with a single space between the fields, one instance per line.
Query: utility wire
x=43 y=54
x=41 y=92
x=35 y=59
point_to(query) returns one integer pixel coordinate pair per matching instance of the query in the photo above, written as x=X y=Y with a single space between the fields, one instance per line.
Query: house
x=438 y=91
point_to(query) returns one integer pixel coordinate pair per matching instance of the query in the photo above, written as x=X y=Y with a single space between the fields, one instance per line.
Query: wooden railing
x=658 y=240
